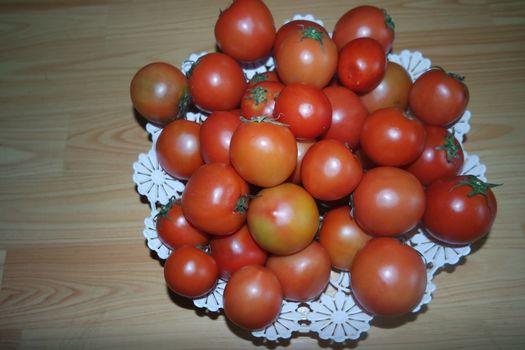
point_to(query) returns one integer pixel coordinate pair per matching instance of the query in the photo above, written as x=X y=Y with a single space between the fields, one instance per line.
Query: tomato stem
x=389 y=21
x=262 y=119
x=313 y=33
x=242 y=204
x=450 y=147
x=258 y=95
x=478 y=186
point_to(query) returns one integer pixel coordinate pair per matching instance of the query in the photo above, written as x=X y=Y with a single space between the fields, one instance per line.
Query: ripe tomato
x=217 y=82
x=298 y=24
x=460 y=209
x=257 y=78
x=245 y=30
x=305 y=108
x=442 y=156
x=362 y=65
x=159 y=92
x=389 y=278
x=259 y=100
x=283 y=219
x=303 y=275
x=330 y=171
x=306 y=55
x=263 y=152
x=392 y=91
x=253 y=297
x=348 y=116
x=389 y=137
x=342 y=237
x=215 y=136
x=178 y=148
x=302 y=147
x=439 y=98
x=388 y=201
x=365 y=21
x=235 y=251
x=190 y=272
x=214 y=199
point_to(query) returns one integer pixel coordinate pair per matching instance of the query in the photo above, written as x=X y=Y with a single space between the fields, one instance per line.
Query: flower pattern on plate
x=152 y=237
x=213 y=300
x=287 y=323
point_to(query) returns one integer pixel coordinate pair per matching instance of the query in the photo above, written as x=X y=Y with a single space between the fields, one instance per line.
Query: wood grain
x=74 y=269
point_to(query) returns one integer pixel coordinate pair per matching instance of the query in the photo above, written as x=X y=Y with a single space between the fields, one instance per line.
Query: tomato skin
x=245 y=30
x=342 y=237
x=303 y=275
x=235 y=251
x=283 y=219
x=190 y=272
x=215 y=136
x=438 y=98
x=302 y=147
x=330 y=171
x=210 y=199
x=253 y=297
x=259 y=100
x=391 y=194
x=178 y=148
x=455 y=218
x=389 y=278
x=297 y=24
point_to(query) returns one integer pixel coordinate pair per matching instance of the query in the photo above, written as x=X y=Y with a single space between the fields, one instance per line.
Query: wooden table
x=74 y=268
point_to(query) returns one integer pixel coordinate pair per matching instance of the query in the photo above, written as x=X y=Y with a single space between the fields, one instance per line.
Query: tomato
x=305 y=108
x=365 y=21
x=216 y=134
x=330 y=171
x=442 y=156
x=302 y=147
x=348 y=116
x=178 y=148
x=259 y=100
x=389 y=137
x=460 y=209
x=263 y=153
x=190 y=272
x=253 y=297
x=388 y=201
x=389 y=278
x=235 y=251
x=245 y=30
x=159 y=92
x=283 y=219
x=214 y=199
x=298 y=24
x=174 y=230
x=303 y=275
x=362 y=65
x=439 y=98
x=257 y=78
x=306 y=55
x=392 y=91
x=342 y=237
x=217 y=82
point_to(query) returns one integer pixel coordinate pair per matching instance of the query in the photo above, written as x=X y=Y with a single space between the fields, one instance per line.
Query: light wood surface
x=74 y=269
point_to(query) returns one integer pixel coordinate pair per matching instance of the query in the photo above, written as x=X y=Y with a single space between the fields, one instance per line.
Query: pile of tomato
x=326 y=162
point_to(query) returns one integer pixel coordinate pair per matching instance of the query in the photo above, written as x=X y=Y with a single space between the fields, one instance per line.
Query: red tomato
x=362 y=65
x=245 y=30
x=259 y=100
x=216 y=134
x=159 y=92
x=388 y=201
x=235 y=251
x=442 y=156
x=302 y=147
x=460 y=209
x=330 y=171
x=263 y=152
x=389 y=278
x=389 y=137
x=214 y=199
x=178 y=148
x=305 y=108
x=283 y=219
x=257 y=78
x=253 y=297
x=365 y=21
x=303 y=275
x=190 y=272
x=342 y=237
x=439 y=98
x=298 y=24
x=217 y=82
x=348 y=116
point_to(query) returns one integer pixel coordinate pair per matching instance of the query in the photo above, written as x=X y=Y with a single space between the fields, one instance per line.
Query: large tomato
x=283 y=219
x=302 y=147
x=178 y=148
x=298 y=24
x=303 y=275
x=389 y=278
x=245 y=30
x=259 y=100
x=216 y=134
x=460 y=209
